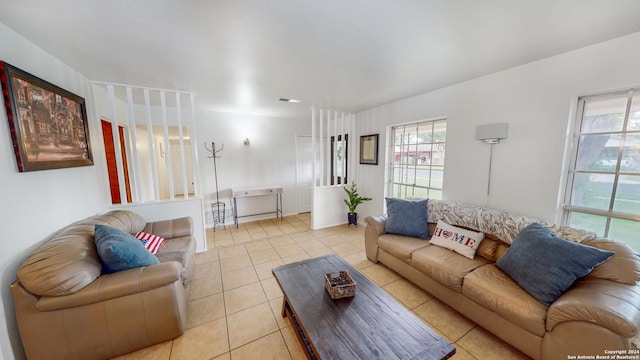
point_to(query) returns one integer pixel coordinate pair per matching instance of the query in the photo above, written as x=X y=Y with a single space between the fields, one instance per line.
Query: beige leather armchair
x=66 y=308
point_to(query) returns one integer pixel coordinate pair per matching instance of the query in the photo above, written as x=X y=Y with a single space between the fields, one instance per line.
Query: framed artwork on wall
x=369 y=149
x=48 y=124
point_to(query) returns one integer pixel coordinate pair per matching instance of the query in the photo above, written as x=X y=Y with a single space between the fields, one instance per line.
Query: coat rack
x=215 y=207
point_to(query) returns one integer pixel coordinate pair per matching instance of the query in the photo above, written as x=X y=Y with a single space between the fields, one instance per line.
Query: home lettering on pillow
x=464 y=242
x=459 y=238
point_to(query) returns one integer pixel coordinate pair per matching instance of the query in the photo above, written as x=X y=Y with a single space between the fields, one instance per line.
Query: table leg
x=235 y=212
x=284 y=307
x=301 y=334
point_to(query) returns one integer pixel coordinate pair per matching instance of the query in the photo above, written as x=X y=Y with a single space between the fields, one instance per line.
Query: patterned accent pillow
x=150 y=241
x=464 y=242
x=505 y=226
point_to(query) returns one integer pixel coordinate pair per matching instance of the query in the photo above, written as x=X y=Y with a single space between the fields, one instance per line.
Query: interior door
x=304 y=172
x=112 y=166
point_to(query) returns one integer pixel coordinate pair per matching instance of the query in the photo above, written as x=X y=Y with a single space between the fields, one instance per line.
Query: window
x=417 y=163
x=603 y=183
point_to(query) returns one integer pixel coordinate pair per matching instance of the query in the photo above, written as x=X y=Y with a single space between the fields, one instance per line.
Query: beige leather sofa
x=596 y=316
x=67 y=308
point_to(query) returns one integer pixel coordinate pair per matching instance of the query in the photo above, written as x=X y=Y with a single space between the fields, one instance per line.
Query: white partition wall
x=335 y=149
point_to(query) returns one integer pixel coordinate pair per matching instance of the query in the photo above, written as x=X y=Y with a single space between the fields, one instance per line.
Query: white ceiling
x=241 y=55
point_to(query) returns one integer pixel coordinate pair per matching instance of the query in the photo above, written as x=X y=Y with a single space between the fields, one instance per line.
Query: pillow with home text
x=464 y=242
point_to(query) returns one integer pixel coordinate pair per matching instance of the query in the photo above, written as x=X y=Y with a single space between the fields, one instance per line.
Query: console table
x=257 y=191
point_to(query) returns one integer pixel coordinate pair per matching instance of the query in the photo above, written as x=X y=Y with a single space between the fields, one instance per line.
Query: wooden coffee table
x=370 y=325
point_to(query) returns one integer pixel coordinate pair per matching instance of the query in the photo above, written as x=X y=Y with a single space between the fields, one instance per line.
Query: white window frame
x=430 y=189
x=610 y=214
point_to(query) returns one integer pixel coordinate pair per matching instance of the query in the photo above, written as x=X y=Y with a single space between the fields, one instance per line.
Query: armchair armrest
x=171 y=228
x=610 y=304
x=119 y=284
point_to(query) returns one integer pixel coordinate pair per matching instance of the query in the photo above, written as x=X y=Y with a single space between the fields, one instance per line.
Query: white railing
x=338 y=169
x=152 y=169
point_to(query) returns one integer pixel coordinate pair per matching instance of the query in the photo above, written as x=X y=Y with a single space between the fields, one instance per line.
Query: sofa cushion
x=464 y=242
x=445 y=266
x=178 y=244
x=492 y=288
x=64 y=265
x=125 y=220
x=401 y=246
x=120 y=251
x=69 y=262
x=405 y=217
x=546 y=265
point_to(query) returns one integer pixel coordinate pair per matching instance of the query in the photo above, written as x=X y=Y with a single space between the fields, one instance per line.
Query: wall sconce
x=491 y=134
x=246 y=141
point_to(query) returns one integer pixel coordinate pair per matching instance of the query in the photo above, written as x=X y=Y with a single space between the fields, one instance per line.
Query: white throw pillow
x=464 y=242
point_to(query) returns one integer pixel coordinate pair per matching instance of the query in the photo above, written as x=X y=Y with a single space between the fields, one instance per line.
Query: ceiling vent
x=289 y=100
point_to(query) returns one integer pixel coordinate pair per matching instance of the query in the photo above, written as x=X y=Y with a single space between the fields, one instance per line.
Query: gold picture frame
x=48 y=124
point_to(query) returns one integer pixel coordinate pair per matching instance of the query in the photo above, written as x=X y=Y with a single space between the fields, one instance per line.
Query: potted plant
x=353 y=202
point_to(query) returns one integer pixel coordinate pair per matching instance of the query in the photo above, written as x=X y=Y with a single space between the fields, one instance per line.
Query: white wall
x=36 y=204
x=537 y=100
x=270 y=159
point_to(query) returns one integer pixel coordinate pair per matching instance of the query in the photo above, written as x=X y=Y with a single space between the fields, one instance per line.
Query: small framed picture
x=369 y=149
x=48 y=124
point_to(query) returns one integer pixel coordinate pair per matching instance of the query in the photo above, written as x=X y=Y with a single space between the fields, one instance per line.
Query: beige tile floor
x=234 y=300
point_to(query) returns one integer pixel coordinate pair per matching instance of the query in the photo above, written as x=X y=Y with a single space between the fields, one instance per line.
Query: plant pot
x=353 y=219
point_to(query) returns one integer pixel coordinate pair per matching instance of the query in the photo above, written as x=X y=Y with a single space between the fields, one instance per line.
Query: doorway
x=112 y=166
x=179 y=171
x=304 y=172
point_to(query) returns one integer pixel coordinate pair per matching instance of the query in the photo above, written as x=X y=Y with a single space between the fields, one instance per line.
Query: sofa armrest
x=119 y=284
x=610 y=304
x=375 y=228
x=171 y=228
x=378 y=222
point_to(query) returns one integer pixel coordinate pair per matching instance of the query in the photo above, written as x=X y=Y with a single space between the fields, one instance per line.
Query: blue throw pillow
x=407 y=218
x=545 y=265
x=120 y=251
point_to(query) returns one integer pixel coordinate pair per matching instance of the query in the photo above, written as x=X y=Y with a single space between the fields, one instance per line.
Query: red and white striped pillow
x=150 y=241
